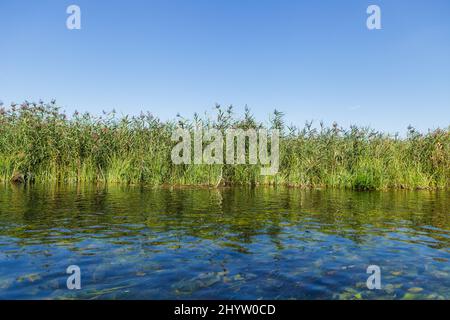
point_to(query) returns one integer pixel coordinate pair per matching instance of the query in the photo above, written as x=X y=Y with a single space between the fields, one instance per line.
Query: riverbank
x=40 y=143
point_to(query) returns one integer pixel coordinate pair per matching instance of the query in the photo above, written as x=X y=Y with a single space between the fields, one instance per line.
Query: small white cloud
x=353 y=108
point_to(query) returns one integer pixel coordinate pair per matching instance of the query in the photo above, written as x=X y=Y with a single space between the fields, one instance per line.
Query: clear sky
x=313 y=60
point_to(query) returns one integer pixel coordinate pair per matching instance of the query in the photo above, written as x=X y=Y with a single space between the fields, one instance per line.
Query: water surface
x=236 y=243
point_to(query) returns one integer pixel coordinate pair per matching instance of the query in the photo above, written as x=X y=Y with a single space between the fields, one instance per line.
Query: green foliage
x=38 y=142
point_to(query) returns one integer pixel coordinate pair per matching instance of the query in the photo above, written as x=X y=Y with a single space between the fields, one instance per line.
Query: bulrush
x=40 y=141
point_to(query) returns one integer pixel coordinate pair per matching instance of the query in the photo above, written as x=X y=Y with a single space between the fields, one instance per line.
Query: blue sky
x=313 y=60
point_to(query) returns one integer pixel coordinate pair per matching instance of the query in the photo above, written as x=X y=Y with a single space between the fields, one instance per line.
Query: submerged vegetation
x=39 y=142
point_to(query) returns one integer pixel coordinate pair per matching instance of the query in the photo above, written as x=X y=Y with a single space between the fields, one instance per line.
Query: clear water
x=237 y=243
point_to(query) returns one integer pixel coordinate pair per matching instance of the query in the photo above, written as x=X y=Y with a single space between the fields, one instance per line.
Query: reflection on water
x=237 y=243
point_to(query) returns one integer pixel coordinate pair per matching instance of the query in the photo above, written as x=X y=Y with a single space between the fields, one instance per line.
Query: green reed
x=39 y=142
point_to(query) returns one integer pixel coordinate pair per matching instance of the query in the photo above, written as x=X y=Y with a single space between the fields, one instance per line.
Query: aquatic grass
x=41 y=143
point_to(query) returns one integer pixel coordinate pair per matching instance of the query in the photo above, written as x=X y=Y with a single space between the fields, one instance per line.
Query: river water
x=230 y=243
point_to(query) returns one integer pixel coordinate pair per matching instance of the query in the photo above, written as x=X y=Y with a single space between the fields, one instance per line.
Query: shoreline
x=212 y=187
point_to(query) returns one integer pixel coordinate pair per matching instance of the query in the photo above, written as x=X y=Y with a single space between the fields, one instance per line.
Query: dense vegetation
x=39 y=142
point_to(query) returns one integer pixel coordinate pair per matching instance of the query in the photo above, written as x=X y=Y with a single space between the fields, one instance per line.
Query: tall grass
x=39 y=142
